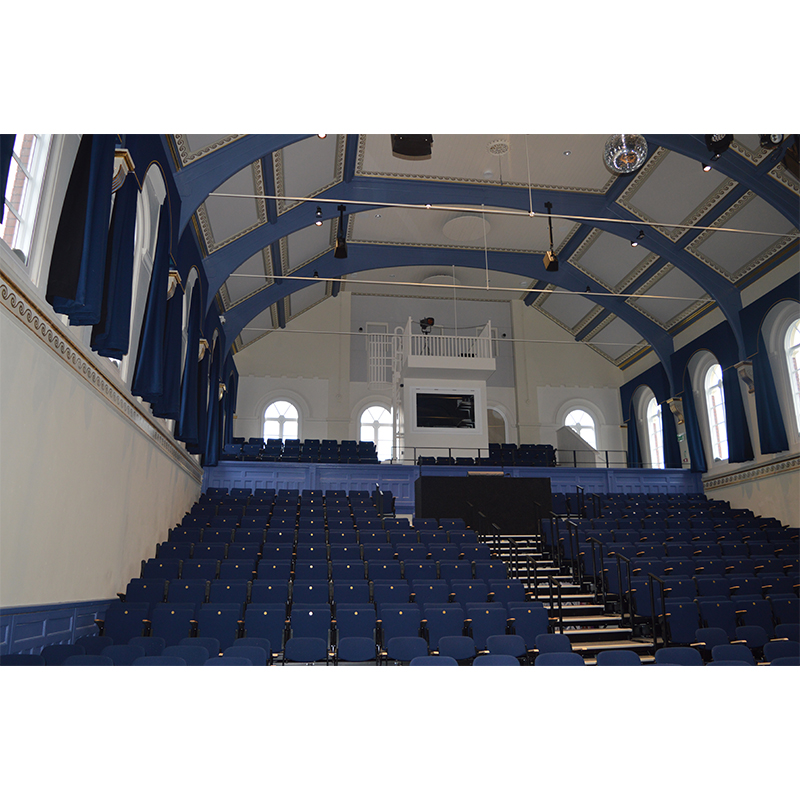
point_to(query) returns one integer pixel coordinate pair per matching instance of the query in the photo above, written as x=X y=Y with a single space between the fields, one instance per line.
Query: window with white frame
x=655 y=436
x=281 y=421
x=791 y=346
x=22 y=191
x=715 y=407
x=375 y=425
x=582 y=423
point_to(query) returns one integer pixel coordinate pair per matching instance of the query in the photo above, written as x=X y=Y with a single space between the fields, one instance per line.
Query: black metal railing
x=663 y=615
x=597 y=574
x=625 y=596
x=555 y=590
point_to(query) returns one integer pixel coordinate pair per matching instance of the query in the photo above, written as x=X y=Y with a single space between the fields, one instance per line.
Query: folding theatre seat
x=274 y=570
x=221 y=621
x=718 y=614
x=443 y=620
x=356 y=649
x=683 y=619
x=348 y=570
x=122 y=621
x=781 y=649
x=384 y=570
x=123 y=655
x=317 y=592
x=508 y=645
x=174 y=550
x=399 y=622
x=193 y=655
x=356 y=621
x=485 y=621
x=21 y=660
x=498 y=660
x=257 y=656
x=460 y=648
x=678 y=656
x=559 y=660
x=312 y=622
x=528 y=623
x=405 y=650
x=172 y=621
x=158 y=569
x=732 y=653
x=431 y=592
x=208 y=643
x=264 y=622
x=57 y=654
x=420 y=570
x=469 y=591
x=455 y=570
x=159 y=661
x=231 y=570
x=618 y=658
x=152 y=645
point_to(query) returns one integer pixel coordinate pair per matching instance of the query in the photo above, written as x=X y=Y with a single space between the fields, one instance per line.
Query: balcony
x=450 y=357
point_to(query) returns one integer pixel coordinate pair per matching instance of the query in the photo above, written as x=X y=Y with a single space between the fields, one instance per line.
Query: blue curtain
x=740 y=447
x=6 y=149
x=771 y=428
x=634 y=450
x=672 y=450
x=168 y=405
x=214 y=423
x=230 y=401
x=111 y=335
x=148 y=379
x=202 y=401
x=186 y=424
x=78 y=265
x=693 y=438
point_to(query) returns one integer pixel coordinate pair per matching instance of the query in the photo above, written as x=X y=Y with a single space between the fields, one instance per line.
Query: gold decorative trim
x=688 y=311
x=775 y=247
x=27 y=312
x=783 y=176
x=269 y=278
x=628 y=354
x=625 y=199
x=768 y=470
x=186 y=155
x=753 y=156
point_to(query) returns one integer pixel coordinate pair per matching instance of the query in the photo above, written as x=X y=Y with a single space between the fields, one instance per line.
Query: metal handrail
x=664 y=634
x=581 y=497
x=600 y=584
x=554 y=584
x=628 y=592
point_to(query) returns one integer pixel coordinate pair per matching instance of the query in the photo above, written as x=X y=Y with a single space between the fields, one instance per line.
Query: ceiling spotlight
x=635 y=242
x=718 y=143
x=770 y=140
x=625 y=152
x=550 y=258
x=322 y=135
x=318 y=216
x=425 y=324
x=411 y=146
x=340 y=251
x=706 y=167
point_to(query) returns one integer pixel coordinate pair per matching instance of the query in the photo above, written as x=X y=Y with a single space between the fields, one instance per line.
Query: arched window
x=715 y=405
x=281 y=421
x=583 y=424
x=655 y=434
x=791 y=346
x=375 y=425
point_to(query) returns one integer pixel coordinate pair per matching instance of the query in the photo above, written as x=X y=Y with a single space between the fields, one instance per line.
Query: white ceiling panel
x=228 y=217
x=300 y=247
x=306 y=297
x=611 y=260
x=463 y=229
x=251 y=332
x=241 y=283
x=672 y=188
x=538 y=160
x=664 y=297
x=615 y=339
x=566 y=309
x=308 y=167
x=735 y=254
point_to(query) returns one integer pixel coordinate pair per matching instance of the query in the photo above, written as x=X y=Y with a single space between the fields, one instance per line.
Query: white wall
x=85 y=491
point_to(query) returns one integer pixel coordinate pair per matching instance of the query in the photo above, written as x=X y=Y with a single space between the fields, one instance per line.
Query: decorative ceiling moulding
x=753 y=156
x=186 y=155
x=279 y=171
x=764 y=255
x=625 y=199
x=776 y=467
x=359 y=170
x=261 y=212
x=690 y=310
x=269 y=279
x=36 y=319
x=784 y=177
x=633 y=275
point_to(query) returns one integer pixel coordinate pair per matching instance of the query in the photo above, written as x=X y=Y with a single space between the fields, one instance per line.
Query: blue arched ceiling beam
x=363 y=257
x=197 y=180
x=754 y=177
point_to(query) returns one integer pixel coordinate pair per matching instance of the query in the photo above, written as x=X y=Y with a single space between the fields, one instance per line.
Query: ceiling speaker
x=411 y=145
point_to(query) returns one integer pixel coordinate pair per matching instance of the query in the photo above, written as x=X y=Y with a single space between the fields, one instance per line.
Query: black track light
x=718 y=143
x=635 y=242
x=319 y=216
x=340 y=251
x=550 y=257
x=706 y=167
x=412 y=146
x=770 y=140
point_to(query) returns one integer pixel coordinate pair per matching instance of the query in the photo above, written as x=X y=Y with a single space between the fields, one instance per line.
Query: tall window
x=655 y=434
x=281 y=421
x=376 y=426
x=715 y=405
x=21 y=195
x=792 y=348
x=583 y=425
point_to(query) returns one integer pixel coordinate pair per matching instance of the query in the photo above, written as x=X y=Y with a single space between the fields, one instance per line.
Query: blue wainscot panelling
x=399 y=478
x=27 y=629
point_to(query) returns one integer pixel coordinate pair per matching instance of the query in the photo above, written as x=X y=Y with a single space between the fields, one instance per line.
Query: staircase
x=575 y=610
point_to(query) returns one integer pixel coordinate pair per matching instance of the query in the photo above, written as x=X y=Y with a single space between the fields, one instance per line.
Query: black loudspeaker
x=411 y=145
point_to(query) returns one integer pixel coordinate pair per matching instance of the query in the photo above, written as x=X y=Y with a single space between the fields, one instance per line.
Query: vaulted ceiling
x=463 y=216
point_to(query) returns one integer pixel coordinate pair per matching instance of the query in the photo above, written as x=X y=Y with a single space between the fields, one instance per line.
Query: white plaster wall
x=85 y=494
x=775 y=495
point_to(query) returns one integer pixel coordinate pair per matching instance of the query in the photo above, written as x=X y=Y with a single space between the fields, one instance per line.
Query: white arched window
x=655 y=434
x=375 y=425
x=791 y=346
x=281 y=421
x=715 y=406
x=582 y=423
